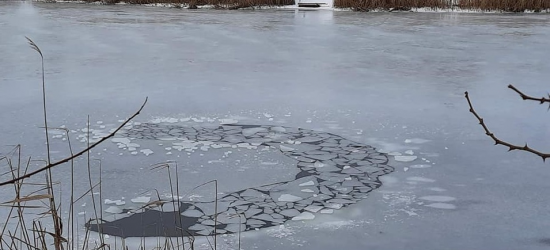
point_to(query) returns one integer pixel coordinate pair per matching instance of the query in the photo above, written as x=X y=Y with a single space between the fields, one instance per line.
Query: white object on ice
x=146 y=151
x=113 y=210
x=405 y=158
x=141 y=199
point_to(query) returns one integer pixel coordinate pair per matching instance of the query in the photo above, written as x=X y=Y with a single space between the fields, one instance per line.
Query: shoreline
x=295 y=7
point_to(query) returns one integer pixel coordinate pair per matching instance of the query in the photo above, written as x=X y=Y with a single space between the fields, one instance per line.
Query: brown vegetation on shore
x=483 y=5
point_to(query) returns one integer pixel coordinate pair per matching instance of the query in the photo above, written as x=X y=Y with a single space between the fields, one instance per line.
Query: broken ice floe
x=405 y=158
x=333 y=173
x=141 y=199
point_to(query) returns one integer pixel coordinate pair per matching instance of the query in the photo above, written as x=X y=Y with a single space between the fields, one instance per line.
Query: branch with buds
x=497 y=141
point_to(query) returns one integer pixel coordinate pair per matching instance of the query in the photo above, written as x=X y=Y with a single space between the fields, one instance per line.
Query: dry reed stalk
x=506 y=5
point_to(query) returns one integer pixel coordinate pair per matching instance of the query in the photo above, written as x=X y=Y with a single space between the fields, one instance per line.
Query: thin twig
x=526 y=97
x=51 y=165
x=497 y=141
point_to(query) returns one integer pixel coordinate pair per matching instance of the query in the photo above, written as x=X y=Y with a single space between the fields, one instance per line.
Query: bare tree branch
x=526 y=97
x=497 y=141
x=51 y=165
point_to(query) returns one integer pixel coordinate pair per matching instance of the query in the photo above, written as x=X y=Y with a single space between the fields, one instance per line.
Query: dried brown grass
x=484 y=5
x=506 y=5
x=367 y=5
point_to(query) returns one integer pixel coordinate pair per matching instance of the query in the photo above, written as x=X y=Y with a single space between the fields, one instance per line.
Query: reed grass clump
x=368 y=5
x=506 y=5
x=34 y=218
x=483 y=5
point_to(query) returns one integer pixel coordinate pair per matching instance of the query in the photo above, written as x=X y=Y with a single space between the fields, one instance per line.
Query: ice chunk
x=141 y=199
x=313 y=208
x=116 y=202
x=290 y=212
x=309 y=183
x=289 y=198
x=409 y=152
x=253 y=131
x=113 y=210
x=307 y=190
x=146 y=151
x=405 y=158
x=334 y=205
x=304 y=216
x=192 y=213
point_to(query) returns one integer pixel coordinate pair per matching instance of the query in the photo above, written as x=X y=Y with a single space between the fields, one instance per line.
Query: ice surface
x=441 y=205
x=420 y=179
x=437 y=189
x=374 y=72
x=416 y=141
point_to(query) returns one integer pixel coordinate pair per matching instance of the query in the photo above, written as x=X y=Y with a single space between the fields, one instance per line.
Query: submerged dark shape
x=334 y=173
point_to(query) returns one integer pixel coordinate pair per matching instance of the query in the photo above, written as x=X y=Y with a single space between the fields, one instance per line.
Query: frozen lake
x=394 y=81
